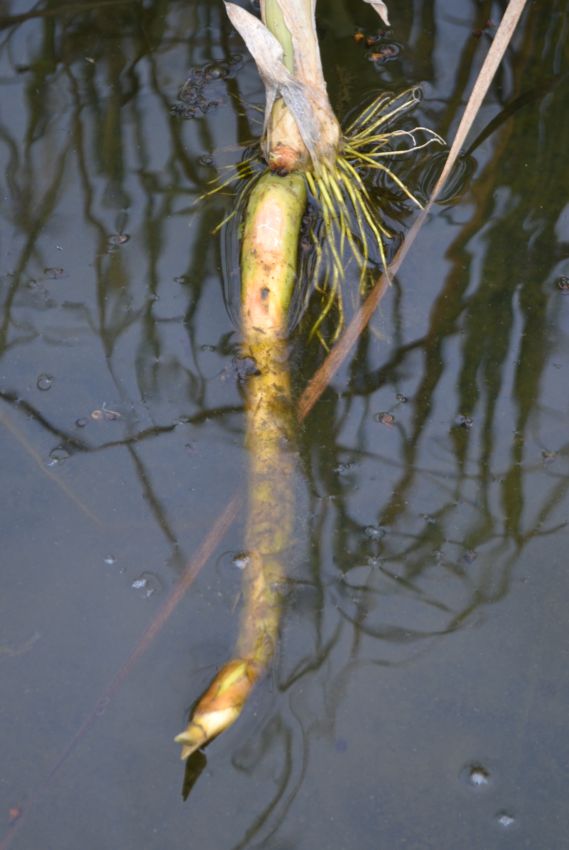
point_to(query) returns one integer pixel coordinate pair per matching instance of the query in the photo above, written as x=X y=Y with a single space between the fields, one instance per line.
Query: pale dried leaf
x=381 y=10
x=265 y=50
x=262 y=45
x=307 y=103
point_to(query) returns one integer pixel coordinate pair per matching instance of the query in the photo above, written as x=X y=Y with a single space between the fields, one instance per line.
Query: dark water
x=419 y=697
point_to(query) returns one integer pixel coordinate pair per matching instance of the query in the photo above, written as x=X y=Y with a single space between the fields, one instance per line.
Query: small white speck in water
x=374 y=532
x=147 y=584
x=241 y=560
x=476 y=775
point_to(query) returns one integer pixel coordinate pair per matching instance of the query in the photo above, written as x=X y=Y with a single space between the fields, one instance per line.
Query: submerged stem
x=268 y=271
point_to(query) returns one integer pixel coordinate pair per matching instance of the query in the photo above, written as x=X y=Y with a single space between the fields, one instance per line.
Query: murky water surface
x=419 y=697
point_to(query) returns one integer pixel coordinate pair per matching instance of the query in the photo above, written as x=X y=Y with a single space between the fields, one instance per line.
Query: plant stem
x=274 y=20
x=284 y=146
x=270 y=245
x=268 y=270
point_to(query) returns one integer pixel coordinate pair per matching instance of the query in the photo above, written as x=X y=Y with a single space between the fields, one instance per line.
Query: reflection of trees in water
x=99 y=81
x=99 y=84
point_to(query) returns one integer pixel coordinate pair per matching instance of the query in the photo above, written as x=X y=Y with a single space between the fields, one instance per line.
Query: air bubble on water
x=44 y=382
x=374 y=532
x=241 y=560
x=504 y=819
x=147 y=584
x=57 y=456
x=462 y=421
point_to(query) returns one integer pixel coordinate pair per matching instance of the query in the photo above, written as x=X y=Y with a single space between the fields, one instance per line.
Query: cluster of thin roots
x=350 y=223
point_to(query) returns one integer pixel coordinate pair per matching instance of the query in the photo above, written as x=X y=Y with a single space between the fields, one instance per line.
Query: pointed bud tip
x=190 y=741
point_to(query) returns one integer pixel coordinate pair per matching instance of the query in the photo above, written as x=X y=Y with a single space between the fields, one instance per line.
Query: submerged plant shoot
x=309 y=160
x=284 y=424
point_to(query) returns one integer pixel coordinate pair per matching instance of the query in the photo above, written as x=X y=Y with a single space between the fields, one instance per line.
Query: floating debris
x=241 y=560
x=201 y=91
x=105 y=414
x=504 y=819
x=115 y=240
x=384 y=53
x=54 y=273
x=562 y=284
x=110 y=560
x=476 y=775
x=147 y=584
x=385 y=418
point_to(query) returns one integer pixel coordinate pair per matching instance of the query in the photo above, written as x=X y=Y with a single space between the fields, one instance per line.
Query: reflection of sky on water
x=426 y=605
